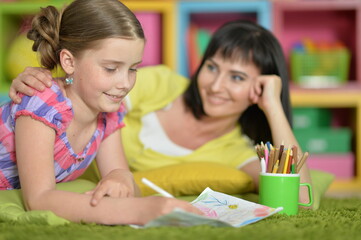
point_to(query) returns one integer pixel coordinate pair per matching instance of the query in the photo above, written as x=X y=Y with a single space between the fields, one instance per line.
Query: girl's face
x=225 y=85
x=103 y=76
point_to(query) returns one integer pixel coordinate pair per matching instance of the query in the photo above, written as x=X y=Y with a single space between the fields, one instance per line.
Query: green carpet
x=336 y=219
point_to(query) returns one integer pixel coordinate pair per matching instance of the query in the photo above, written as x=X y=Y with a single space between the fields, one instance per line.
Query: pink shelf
x=341 y=165
x=151 y=23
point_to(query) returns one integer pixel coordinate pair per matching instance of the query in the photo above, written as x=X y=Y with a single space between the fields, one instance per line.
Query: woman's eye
x=237 y=78
x=211 y=67
x=133 y=69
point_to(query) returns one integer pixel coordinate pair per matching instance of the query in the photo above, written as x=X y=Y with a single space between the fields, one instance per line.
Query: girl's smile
x=104 y=75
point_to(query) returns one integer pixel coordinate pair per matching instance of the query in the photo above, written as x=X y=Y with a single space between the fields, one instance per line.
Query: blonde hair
x=79 y=27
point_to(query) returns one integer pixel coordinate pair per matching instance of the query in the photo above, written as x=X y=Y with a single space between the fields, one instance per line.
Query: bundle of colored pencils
x=280 y=160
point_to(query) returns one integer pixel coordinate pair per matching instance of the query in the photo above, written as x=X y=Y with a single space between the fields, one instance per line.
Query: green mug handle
x=309 y=194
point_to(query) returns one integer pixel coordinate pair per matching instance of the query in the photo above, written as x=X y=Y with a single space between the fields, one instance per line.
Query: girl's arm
x=34 y=152
x=117 y=180
x=266 y=93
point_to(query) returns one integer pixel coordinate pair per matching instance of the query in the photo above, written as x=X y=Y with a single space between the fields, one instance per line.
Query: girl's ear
x=67 y=61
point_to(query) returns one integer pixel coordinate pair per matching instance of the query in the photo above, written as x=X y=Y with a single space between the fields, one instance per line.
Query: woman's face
x=225 y=85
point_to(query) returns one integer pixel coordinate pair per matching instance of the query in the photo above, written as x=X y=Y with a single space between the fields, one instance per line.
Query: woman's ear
x=67 y=61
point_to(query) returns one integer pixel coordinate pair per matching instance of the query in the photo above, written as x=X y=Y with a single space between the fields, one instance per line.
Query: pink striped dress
x=53 y=109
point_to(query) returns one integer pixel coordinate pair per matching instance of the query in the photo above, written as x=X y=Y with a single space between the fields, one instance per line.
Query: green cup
x=282 y=190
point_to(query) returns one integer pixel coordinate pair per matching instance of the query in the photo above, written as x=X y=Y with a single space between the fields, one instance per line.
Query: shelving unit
x=337 y=98
x=327 y=21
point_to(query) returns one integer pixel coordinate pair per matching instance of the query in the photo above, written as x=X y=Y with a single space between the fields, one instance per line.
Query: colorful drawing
x=220 y=210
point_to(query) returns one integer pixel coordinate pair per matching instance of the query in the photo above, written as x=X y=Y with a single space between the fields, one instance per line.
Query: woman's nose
x=218 y=83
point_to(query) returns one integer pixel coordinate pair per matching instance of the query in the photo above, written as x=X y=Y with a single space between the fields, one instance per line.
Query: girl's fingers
x=97 y=196
x=101 y=192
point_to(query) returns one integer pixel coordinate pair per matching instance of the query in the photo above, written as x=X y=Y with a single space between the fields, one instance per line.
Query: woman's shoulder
x=161 y=74
x=156 y=87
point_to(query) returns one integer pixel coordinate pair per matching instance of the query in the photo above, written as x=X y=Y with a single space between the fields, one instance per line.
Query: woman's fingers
x=37 y=78
x=13 y=96
x=27 y=81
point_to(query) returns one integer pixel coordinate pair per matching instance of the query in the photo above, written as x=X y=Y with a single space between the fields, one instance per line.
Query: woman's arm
x=253 y=169
x=282 y=133
x=266 y=94
x=32 y=77
x=34 y=151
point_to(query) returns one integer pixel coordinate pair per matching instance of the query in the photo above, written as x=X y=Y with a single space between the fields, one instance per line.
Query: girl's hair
x=79 y=27
x=250 y=43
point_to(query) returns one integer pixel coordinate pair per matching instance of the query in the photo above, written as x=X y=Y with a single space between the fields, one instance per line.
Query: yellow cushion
x=192 y=178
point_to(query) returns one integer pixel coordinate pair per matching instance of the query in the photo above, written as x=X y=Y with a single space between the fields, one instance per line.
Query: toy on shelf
x=198 y=39
x=319 y=64
x=20 y=54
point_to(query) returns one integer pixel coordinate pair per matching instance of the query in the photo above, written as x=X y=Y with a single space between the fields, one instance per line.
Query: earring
x=69 y=80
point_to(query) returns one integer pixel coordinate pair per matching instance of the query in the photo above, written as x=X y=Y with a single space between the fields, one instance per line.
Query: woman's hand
x=37 y=78
x=119 y=183
x=266 y=92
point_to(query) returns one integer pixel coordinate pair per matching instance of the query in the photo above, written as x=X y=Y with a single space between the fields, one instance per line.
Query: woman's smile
x=215 y=99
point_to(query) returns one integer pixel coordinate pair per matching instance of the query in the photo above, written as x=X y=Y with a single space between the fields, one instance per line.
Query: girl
x=54 y=135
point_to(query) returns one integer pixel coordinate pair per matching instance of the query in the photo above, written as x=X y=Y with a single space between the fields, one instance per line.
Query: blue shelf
x=261 y=9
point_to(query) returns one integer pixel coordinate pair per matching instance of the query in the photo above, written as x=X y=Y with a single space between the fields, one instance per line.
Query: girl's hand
x=119 y=183
x=37 y=78
x=155 y=206
x=266 y=92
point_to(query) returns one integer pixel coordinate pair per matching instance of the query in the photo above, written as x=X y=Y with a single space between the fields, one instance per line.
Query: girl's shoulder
x=49 y=96
x=49 y=106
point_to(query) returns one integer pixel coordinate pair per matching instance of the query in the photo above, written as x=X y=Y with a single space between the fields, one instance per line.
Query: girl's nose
x=123 y=81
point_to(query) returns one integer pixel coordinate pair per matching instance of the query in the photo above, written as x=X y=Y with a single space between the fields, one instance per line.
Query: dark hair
x=80 y=26
x=249 y=42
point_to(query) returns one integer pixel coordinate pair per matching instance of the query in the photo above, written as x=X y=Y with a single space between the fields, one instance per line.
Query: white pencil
x=263 y=165
x=156 y=188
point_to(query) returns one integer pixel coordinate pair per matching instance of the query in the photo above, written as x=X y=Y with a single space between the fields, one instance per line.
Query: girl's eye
x=133 y=69
x=110 y=69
